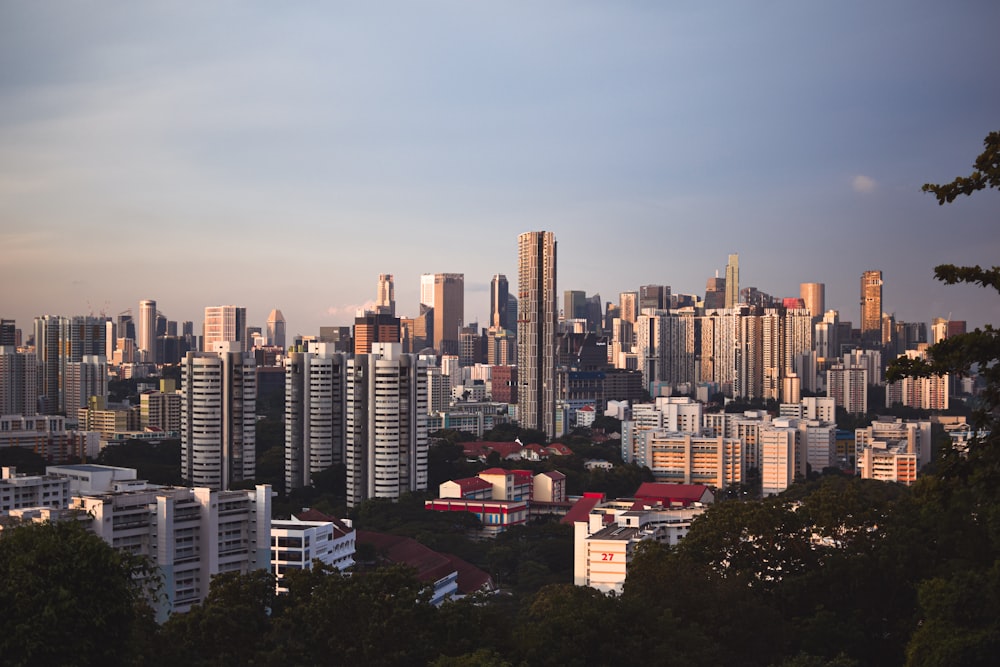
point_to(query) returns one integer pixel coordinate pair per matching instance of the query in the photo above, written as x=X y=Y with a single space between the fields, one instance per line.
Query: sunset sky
x=282 y=155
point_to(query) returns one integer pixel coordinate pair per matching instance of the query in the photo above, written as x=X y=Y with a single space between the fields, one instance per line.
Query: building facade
x=537 y=323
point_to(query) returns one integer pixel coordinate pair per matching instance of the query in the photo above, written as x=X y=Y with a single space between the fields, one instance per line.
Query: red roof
x=470 y=577
x=586 y=408
x=559 y=448
x=430 y=565
x=666 y=493
x=496 y=471
x=581 y=509
x=467 y=484
x=339 y=527
x=482 y=448
x=553 y=474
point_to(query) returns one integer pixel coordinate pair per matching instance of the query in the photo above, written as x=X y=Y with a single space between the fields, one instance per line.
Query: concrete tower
x=218 y=418
x=386 y=424
x=537 y=322
x=449 y=311
x=871 y=307
x=499 y=291
x=276 y=329
x=147 y=331
x=314 y=413
x=224 y=324
x=814 y=296
x=733 y=281
x=385 y=300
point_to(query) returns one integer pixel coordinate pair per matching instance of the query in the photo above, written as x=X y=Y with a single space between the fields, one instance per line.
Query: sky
x=282 y=155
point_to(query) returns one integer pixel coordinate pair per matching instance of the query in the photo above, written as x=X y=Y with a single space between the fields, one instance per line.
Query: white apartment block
x=296 y=545
x=314 y=413
x=218 y=418
x=160 y=410
x=781 y=456
x=386 y=441
x=19 y=491
x=47 y=436
x=848 y=387
x=888 y=462
x=189 y=535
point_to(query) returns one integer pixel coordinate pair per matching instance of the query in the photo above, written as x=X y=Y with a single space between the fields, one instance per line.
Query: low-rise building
x=296 y=544
x=20 y=491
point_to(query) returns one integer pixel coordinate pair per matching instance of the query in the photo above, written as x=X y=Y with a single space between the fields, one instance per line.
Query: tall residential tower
x=537 y=322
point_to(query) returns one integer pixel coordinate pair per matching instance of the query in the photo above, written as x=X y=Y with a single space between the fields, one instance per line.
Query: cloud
x=863 y=184
x=350 y=309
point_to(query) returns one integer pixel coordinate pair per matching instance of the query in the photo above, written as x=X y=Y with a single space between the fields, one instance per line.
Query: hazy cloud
x=863 y=184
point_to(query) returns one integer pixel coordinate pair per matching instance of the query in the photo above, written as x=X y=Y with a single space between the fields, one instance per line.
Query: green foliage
x=986 y=175
x=68 y=598
x=25 y=460
x=157 y=462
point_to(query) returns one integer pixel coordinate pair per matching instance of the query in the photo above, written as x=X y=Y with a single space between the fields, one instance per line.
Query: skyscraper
x=628 y=304
x=574 y=304
x=499 y=291
x=733 y=281
x=385 y=300
x=218 y=417
x=537 y=322
x=224 y=324
x=427 y=290
x=386 y=424
x=814 y=296
x=871 y=308
x=276 y=329
x=147 y=331
x=314 y=413
x=18 y=382
x=59 y=341
x=654 y=296
x=449 y=311
x=715 y=293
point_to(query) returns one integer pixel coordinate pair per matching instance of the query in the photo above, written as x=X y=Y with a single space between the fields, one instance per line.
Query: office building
x=386 y=442
x=499 y=302
x=385 y=298
x=427 y=289
x=733 y=281
x=224 y=324
x=371 y=328
x=314 y=413
x=574 y=305
x=449 y=311
x=147 y=331
x=814 y=297
x=654 y=296
x=218 y=418
x=275 y=329
x=871 y=308
x=536 y=331
x=715 y=293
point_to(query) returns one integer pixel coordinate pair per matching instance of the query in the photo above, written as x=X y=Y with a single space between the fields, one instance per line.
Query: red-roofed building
x=581 y=509
x=585 y=416
x=495 y=516
x=559 y=449
x=470 y=488
x=674 y=495
x=549 y=487
x=432 y=568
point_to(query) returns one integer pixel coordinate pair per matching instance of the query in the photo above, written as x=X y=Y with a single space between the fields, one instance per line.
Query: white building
x=848 y=387
x=602 y=551
x=19 y=491
x=781 y=456
x=89 y=478
x=218 y=418
x=386 y=424
x=189 y=535
x=296 y=544
x=314 y=413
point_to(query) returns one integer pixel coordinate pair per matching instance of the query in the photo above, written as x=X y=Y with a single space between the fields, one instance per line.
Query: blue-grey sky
x=281 y=155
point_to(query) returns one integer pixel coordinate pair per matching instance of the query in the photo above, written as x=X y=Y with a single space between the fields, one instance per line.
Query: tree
x=986 y=174
x=68 y=598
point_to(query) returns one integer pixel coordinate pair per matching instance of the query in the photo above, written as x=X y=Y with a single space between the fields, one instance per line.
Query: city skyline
x=328 y=145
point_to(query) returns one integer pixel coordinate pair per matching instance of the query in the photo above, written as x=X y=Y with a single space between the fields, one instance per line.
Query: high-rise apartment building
x=871 y=308
x=733 y=281
x=499 y=300
x=8 y=333
x=385 y=299
x=628 y=306
x=224 y=324
x=85 y=378
x=18 y=382
x=814 y=297
x=147 y=331
x=449 y=311
x=58 y=341
x=386 y=424
x=276 y=329
x=218 y=417
x=314 y=413
x=537 y=322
